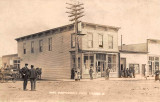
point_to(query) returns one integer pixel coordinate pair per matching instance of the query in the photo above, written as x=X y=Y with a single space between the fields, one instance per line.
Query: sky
x=139 y=19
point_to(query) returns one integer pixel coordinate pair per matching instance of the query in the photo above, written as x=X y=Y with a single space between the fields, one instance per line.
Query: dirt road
x=83 y=91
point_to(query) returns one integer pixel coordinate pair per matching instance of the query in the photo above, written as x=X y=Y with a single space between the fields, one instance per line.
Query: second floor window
x=40 y=45
x=50 y=44
x=90 y=40
x=110 y=41
x=32 y=47
x=73 y=39
x=100 y=37
x=24 y=48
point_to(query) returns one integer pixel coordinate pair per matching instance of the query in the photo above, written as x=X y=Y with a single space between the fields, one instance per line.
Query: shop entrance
x=100 y=68
x=143 y=69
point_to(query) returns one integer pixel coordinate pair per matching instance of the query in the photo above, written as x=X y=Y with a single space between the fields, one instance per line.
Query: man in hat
x=25 y=75
x=107 y=73
x=33 y=76
x=90 y=73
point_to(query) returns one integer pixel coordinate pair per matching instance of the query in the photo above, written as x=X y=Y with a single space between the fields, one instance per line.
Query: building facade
x=54 y=50
x=0 y=62
x=143 y=57
x=11 y=61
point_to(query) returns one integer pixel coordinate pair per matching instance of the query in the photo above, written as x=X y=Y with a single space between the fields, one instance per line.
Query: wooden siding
x=55 y=64
x=96 y=32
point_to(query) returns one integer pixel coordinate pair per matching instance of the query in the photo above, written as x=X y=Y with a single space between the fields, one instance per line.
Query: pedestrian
x=127 y=73
x=133 y=72
x=78 y=74
x=25 y=76
x=90 y=73
x=130 y=73
x=107 y=73
x=33 y=76
x=156 y=75
x=72 y=73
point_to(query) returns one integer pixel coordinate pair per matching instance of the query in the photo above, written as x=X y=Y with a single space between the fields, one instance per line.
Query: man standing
x=25 y=75
x=90 y=73
x=107 y=73
x=33 y=76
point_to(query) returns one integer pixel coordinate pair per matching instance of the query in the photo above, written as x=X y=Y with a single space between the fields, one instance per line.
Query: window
x=88 y=62
x=50 y=44
x=73 y=39
x=32 y=47
x=110 y=41
x=100 y=40
x=40 y=45
x=24 y=48
x=90 y=40
x=16 y=63
x=112 y=62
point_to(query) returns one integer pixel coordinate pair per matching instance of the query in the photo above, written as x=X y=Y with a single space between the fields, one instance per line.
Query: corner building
x=54 y=50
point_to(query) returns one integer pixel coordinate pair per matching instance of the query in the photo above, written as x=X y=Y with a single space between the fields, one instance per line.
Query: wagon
x=7 y=75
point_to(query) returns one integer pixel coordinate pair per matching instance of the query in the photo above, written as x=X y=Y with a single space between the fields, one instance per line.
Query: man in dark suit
x=25 y=75
x=33 y=76
x=91 y=73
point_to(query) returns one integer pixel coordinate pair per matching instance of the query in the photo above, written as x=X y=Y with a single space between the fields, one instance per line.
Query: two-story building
x=54 y=50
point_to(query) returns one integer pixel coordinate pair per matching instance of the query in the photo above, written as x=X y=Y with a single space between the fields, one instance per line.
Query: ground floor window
x=112 y=63
x=153 y=64
x=88 y=62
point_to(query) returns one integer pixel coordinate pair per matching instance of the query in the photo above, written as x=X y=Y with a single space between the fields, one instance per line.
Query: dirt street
x=99 y=90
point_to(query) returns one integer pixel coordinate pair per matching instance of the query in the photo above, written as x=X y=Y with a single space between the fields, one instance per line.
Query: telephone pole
x=75 y=13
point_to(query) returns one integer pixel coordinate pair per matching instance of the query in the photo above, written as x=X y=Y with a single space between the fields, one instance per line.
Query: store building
x=143 y=57
x=54 y=50
x=0 y=62
x=11 y=61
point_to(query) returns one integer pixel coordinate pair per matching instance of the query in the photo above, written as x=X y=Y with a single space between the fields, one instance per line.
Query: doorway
x=100 y=68
x=143 y=69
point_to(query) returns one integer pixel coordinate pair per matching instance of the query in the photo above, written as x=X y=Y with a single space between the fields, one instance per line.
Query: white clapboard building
x=144 y=57
x=54 y=50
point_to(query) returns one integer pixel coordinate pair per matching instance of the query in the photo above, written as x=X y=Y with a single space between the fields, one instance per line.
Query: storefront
x=98 y=61
x=153 y=64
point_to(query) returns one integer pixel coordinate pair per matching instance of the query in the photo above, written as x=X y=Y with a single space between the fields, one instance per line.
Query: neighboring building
x=10 y=61
x=0 y=62
x=143 y=57
x=54 y=50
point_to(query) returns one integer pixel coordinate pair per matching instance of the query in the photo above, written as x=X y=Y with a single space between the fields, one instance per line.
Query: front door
x=143 y=69
x=100 y=68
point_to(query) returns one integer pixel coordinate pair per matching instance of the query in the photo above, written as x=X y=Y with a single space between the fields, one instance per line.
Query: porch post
x=95 y=72
x=81 y=64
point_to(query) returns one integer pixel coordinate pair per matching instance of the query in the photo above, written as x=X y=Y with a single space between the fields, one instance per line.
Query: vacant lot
x=99 y=90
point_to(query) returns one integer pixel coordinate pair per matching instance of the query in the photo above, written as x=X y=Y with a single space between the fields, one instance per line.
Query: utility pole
x=121 y=42
x=75 y=13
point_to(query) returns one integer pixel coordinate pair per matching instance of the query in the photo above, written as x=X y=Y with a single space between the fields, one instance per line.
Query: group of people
x=29 y=74
x=127 y=73
x=107 y=72
x=76 y=74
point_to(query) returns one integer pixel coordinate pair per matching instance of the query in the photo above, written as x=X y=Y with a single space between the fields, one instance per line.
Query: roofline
x=102 y=25
x=125 y=51
x=154 y=39
x=61 y=27
x=10 y=55
x=40 y=33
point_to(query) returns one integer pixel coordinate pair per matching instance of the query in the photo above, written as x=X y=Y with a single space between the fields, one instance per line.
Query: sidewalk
x=112 y=79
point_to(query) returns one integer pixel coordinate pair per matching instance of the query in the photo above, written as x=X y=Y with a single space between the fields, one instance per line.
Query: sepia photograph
x=79 y=51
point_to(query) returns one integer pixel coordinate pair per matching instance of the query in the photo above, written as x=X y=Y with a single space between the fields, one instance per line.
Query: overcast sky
x=138 y=19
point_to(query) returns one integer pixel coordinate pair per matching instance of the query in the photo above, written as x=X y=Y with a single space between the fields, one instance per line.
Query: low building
x=11 y=61
x=0 y=62
x=143 y=57
x=54 y=50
